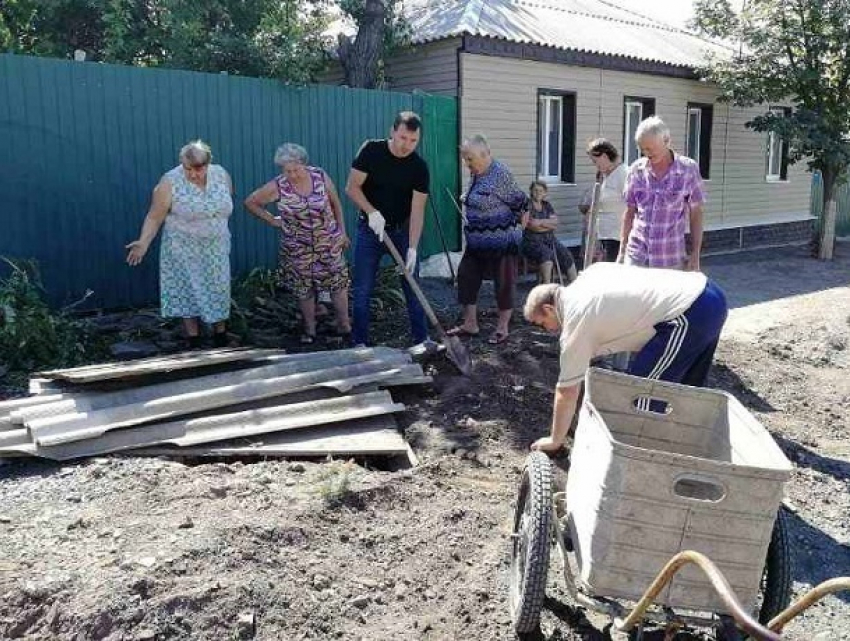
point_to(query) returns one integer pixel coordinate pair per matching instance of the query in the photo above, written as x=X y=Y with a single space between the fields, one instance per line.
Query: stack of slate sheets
x=223 y=402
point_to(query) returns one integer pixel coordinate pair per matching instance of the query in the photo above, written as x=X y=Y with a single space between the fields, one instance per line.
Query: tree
x=795 y=51
x=50 y=27
x=265 y=38
x=381 y=29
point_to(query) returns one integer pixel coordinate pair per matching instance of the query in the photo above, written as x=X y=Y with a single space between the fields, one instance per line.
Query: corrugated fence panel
x=84 y=144
x=842 y=197
x=440 y=146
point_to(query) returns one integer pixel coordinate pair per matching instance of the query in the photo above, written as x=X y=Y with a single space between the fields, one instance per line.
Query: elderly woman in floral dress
x=192 y=203
x=313 y=238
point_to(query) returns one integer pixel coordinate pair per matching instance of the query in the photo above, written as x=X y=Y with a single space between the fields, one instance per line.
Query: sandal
x=497 y=337
x=460 y=330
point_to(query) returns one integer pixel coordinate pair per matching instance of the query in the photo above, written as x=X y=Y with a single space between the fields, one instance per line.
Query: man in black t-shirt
x=389 y=184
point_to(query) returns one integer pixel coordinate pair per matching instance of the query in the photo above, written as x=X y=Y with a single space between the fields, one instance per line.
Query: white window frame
x=544 y=106
x=630 y=146
x=693 y=153
x=774 y=174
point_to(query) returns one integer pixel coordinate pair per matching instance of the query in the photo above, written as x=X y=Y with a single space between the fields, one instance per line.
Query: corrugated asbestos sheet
x=593 y=26
x=84 y=144
x=274 y=404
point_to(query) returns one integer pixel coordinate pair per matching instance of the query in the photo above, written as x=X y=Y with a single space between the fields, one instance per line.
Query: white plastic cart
x=671 y=515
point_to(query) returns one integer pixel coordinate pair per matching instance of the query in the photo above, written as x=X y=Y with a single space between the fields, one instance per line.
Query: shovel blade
x=458 y=354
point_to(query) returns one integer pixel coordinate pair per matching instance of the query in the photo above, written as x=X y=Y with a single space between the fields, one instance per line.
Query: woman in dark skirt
x=539 y=243
x=496 y=210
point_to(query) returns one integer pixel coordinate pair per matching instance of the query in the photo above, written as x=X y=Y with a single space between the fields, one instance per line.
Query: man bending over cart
x=672 y=320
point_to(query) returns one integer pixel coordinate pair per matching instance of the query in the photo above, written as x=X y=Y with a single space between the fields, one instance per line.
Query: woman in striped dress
x=313 y=239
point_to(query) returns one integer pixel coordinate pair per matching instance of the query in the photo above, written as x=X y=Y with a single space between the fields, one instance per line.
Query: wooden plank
x=185 y=360
x=229 y=426
x=79 y=426
x=151 y=393
x=411 y=455
x=156 y=363
x=376 y=436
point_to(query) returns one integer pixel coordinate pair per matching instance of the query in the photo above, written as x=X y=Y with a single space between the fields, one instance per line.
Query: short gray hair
x=195 y=153
x=539 y=296
x=290 y=152
x=652 y=127
x=477 y=143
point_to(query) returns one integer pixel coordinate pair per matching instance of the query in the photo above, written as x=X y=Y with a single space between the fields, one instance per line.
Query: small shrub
x=33 y=337
x=388 y=296
x=258 y=302
x=335 y=482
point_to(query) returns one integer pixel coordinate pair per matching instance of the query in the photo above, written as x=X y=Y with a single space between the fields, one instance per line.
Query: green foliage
x=31 y=336
x=264 y=38
x=335 y=482
x=793 y=51
x=388 y=296
x=257 y=303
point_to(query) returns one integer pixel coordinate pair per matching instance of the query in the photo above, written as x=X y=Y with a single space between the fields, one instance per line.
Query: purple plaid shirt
x=661 y=211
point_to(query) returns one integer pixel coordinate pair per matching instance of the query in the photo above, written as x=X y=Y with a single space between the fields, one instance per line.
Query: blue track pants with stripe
x=682 y=349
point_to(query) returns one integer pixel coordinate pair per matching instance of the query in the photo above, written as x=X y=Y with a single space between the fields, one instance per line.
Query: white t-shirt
x=612 y=204
x=613 y=308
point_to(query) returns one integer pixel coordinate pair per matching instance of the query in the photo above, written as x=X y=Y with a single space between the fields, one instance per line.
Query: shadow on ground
x=763 y=275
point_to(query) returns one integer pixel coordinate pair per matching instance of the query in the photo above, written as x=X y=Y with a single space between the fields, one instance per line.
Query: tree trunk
x=361 y=57
x=825 y=242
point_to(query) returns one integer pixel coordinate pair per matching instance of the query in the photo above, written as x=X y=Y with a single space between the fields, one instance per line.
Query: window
x=636 y=109
x=777 y=152
x=698 y=138
x=556 y=126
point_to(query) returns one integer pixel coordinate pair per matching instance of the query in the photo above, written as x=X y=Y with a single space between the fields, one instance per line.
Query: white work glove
x=410 y=263
x=377 y=223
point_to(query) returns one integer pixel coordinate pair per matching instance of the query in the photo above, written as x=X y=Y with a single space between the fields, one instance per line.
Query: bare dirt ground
x=143 y=549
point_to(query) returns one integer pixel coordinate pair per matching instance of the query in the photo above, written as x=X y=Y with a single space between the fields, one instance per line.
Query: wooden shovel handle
x=415 y=287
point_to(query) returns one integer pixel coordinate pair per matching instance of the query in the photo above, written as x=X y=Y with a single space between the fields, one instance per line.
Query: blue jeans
x=367 y=257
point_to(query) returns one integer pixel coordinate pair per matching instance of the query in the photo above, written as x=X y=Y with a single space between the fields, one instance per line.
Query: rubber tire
x=777 y=571
x=776 y=583
x=528 y=580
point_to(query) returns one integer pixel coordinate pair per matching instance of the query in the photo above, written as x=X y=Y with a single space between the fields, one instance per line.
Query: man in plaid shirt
x=663 y=194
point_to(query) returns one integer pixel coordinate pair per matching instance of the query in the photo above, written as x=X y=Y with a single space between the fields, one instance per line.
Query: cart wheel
x=776 y=582
x=531 y=541
x=775 y=592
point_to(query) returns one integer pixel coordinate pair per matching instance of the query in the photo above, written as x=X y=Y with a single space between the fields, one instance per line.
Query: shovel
x=455 y=350
x=589 y=248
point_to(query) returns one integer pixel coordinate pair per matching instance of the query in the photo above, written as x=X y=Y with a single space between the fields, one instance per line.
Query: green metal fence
x=83 y=144
x=842 y=196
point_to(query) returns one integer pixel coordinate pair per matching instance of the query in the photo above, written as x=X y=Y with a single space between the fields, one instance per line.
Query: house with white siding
x=542 y=78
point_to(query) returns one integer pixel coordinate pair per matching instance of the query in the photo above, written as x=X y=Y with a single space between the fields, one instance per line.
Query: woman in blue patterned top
x=496 y=212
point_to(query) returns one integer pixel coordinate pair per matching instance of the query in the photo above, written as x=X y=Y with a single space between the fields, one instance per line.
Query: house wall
x=499 y=99
x=431 y=67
